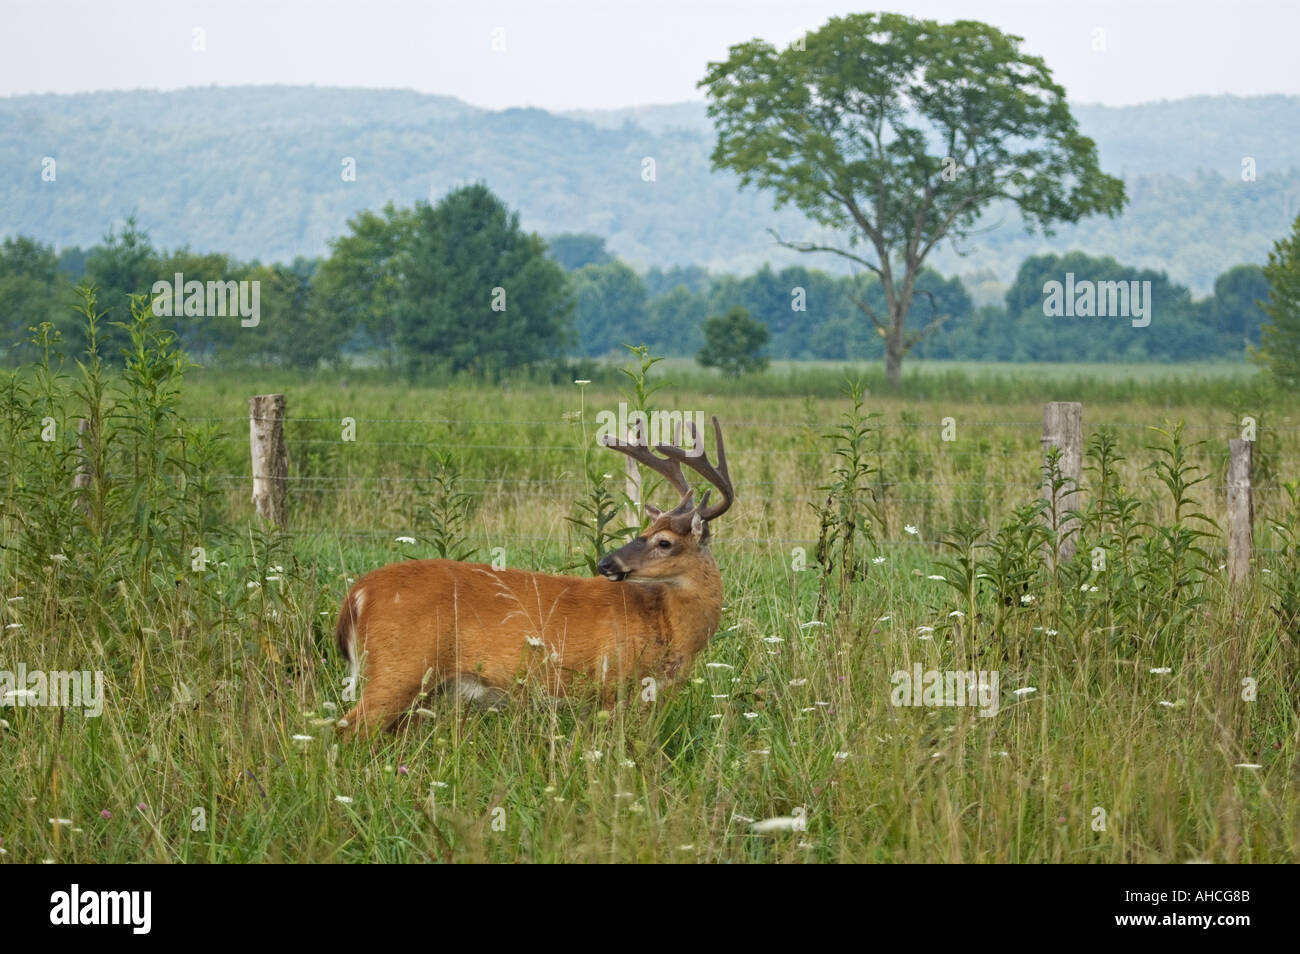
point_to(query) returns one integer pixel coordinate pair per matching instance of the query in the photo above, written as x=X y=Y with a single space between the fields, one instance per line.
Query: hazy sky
x=569 y=54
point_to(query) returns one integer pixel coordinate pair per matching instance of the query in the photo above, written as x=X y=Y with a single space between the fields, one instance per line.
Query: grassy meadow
x=1147 y=711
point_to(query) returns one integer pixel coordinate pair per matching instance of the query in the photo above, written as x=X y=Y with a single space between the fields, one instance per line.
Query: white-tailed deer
x=440 y=624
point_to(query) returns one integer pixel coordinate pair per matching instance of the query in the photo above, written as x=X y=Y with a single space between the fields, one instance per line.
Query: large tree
x=359 y=287
x=477 y=291
x=899 y=132
x=1280 y=347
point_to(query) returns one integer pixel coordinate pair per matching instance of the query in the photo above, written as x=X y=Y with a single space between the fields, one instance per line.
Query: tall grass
x=1152 y=680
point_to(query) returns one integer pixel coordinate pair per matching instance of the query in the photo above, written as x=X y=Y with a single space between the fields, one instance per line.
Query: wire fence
x=788 y=425
x=994 y=489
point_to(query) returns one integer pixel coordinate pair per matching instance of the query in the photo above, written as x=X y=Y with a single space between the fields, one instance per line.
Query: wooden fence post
x=633 y=488
x=81 y=480
x=270 y=458
x=1063 y=428
x=1241 y=511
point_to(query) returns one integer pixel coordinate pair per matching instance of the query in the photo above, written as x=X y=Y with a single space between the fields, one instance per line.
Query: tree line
x=460 y=285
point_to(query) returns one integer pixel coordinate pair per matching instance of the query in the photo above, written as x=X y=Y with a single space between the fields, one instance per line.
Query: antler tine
x=669 y=469
x=716 y=475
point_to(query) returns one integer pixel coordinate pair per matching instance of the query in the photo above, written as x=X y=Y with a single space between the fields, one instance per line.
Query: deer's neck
x=693 y=607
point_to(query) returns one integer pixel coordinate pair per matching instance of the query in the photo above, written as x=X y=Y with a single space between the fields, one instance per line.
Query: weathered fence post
x=270 y=458
x=1241 y=511
x=81 y=480
x=1063 y=429
x=634 y=477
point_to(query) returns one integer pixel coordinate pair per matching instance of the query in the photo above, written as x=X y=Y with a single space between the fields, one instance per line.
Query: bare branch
x=936 y=321
x=813 y=247
x=870 y=313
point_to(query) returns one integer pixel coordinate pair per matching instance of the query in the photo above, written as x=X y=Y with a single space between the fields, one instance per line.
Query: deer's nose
x=610 y=566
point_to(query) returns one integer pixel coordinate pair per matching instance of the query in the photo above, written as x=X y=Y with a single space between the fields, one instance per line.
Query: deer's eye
x=664 y=543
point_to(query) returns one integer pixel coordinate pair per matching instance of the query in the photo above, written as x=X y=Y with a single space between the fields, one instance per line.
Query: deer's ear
x=699 y=529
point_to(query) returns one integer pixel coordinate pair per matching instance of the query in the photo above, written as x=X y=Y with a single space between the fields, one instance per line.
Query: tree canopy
x=897 y=133
x=1280 y=349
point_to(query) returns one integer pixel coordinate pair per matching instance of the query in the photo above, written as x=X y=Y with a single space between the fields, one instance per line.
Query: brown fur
x=424 y=624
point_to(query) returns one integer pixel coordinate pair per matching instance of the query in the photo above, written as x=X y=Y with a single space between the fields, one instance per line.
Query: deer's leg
x=382 y=703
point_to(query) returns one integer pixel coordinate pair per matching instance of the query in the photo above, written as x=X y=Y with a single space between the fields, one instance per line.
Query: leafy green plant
x=1284 y=581
x=447 y=509
x=846 y=517
x=1061 y=522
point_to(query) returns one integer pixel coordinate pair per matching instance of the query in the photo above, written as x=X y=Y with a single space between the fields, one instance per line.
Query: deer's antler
x=669 y=469
x=697 y=462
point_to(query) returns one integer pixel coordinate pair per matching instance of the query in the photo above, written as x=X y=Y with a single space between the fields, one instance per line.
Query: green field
x=1041 y=371
x=1153 y=682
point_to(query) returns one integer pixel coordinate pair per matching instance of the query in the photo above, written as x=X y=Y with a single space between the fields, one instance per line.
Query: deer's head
x=675 y=541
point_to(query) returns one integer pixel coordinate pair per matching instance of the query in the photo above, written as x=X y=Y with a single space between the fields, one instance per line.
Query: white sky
x=593 y=54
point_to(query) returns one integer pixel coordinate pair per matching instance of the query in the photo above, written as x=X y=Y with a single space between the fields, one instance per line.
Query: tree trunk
x=895 y=346
x=894 y=357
